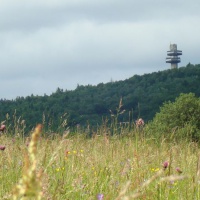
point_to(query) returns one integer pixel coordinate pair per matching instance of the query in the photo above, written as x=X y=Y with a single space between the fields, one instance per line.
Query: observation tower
x=173 y=56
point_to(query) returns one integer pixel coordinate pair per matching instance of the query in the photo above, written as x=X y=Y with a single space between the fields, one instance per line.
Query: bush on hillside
x=180 y=118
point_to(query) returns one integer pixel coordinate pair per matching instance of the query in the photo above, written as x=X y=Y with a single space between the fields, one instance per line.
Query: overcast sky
x=46 y=44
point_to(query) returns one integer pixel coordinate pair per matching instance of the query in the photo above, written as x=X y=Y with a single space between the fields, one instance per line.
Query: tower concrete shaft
x=173 y=56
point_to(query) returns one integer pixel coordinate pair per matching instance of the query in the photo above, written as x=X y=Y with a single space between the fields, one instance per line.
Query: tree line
x=141 y=96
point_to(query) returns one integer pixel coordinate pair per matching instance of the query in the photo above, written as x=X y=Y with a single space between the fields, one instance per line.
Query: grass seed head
x=29 y=185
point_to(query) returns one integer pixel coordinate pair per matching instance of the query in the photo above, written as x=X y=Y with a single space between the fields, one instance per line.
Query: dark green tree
x=183 y=113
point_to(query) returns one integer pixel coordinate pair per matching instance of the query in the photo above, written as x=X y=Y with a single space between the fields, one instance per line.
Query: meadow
x=73 y=166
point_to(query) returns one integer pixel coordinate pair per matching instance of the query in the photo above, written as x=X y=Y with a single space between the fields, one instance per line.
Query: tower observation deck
x=173 y=56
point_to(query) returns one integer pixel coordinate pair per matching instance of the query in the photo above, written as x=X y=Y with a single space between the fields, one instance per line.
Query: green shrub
x=181 y=116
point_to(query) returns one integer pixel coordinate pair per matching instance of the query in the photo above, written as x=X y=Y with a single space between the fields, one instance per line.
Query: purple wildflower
x=165 y=164
x=99 y=196
x=2 y=148
x=178 y=170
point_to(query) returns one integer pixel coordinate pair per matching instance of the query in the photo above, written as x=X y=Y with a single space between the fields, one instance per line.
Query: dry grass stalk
x=198 y=168
x=172 y=178
x=139 y=191
x=56 y=153
x=29 y=186
x=122 y=192
x=158 y=174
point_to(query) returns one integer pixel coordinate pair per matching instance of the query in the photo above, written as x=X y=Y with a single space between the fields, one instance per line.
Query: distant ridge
x=142 y=96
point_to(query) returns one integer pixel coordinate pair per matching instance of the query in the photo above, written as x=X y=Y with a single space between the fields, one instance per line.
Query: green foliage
x=180 y=118
x=142 y=95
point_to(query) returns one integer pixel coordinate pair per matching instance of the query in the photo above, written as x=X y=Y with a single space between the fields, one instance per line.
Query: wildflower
x=140 y=122
x=165 y=165
x=74 y=152
x=172 y=183
x=155 y=169
x=99 y=196
x=27 y=144
x=67 y=152
x=2 y=148
x=2 y=128
x=95 y=173
x=178 y=170
x=57 y=169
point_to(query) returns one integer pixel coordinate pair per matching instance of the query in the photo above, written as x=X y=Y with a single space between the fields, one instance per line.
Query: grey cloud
x=30 y=15
x=54 y=43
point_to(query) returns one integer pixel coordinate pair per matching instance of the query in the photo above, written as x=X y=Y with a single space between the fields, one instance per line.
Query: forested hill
x=142 y=96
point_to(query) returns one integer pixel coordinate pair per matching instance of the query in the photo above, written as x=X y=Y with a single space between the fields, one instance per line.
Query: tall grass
x=125 y=166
